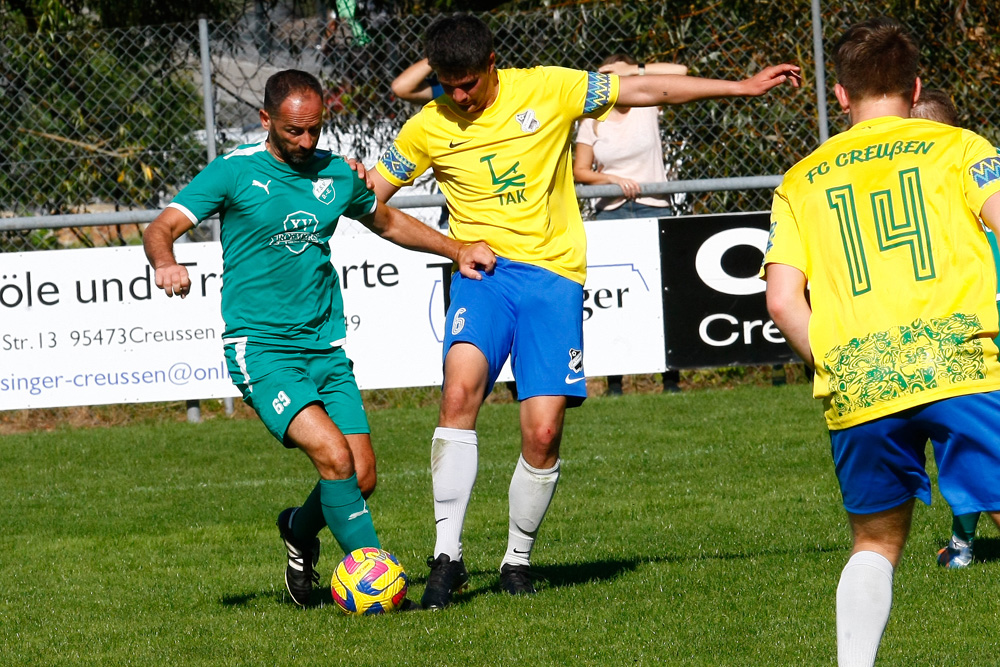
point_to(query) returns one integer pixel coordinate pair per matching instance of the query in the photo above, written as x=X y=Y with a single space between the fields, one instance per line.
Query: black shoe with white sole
x=300 y=573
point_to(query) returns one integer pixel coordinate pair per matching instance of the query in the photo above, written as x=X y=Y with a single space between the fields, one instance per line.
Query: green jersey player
x=279 y=203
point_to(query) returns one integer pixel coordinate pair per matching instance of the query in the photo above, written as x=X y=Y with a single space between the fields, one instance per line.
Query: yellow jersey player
x=880 y=276
x=498 y=142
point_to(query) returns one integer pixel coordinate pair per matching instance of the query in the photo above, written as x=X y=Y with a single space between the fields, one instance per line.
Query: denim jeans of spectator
x=630 y=209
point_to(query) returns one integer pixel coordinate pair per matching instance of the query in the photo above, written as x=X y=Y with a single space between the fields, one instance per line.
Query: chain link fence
x=104 y=121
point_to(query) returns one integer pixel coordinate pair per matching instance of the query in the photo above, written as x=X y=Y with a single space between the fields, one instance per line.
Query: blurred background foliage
x=102 y=107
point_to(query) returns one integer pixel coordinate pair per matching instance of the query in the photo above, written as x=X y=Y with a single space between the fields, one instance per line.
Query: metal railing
x=410 y=201
x=113 y=123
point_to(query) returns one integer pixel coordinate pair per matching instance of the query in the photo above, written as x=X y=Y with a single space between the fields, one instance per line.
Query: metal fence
x=97 y=122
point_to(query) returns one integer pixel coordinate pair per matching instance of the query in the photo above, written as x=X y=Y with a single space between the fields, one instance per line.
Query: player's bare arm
x=411 y=84
x=990 y=213
x=788 y=305
x=406 y=231
x=384 y=190
x=622 y=68
x=645 y=91
x=158 y=242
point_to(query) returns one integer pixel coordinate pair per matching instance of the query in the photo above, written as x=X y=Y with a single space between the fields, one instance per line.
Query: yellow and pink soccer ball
x=369 y=581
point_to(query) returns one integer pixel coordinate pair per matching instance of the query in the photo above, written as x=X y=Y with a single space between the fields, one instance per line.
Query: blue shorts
x=277 y=383
x=529 y=314
x=880 y=464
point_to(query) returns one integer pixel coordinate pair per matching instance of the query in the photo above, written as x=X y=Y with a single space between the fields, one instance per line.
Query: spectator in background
x=626 y=150
x=935 y=105
x=343 y=26
x=417 y=83
x=358 y=42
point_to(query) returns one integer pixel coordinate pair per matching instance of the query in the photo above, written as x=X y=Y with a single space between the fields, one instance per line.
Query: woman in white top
x=625 y=149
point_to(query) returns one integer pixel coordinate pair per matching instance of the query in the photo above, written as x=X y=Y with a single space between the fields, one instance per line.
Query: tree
x=92 y=117
x=47 y=16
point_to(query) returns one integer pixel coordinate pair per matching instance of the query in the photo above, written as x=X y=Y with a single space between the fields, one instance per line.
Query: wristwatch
x=642 y=69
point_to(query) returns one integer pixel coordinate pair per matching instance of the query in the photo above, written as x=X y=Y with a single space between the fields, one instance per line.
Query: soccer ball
x=369 y=581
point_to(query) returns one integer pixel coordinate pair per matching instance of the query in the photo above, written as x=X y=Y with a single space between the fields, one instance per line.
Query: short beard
x=289 y=158
x=296 y=159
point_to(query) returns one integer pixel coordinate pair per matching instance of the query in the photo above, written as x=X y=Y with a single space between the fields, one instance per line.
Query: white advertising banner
x=623 y=299
x=394 y=302
x=88 y=327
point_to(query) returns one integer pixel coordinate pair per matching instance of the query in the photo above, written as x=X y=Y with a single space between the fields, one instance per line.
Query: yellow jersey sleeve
x=982 y=178
x=507 y=172
x=784 y=245
x=407 y=158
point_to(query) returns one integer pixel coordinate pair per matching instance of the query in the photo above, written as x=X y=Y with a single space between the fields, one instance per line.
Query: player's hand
x=621 y=68
x=362 y=172
x=173 y=279
x=770 y=77
x=475 y=257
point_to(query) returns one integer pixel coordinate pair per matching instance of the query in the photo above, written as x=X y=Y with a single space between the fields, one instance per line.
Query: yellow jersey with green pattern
x=507 y=172
x=883 y=221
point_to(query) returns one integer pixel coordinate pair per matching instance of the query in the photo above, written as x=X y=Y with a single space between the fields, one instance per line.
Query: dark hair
x=279 y=86
x=458 y=45
x=877 y=57
x=619 y=58
x=935 y=104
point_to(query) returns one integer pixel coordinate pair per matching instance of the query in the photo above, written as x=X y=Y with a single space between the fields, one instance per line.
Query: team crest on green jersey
x=299 y=232
x=323 y=190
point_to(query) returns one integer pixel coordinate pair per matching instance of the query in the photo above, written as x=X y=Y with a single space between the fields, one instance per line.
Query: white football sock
x=454 y=464
x=530 y=494
x=864 y=598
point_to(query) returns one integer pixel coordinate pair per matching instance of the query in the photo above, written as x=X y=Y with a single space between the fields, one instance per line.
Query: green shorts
x=277 y=383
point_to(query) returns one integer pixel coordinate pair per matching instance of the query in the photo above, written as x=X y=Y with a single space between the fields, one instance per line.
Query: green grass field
x=701 y=528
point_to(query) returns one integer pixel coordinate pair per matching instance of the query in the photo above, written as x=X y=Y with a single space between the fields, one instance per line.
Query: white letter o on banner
x=708 y=262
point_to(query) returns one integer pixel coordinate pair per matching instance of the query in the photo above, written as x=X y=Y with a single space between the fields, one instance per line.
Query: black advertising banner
x=713 y=302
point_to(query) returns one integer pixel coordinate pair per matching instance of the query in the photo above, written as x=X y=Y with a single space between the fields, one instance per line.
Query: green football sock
x=964 y=526
x=347 y=514
x=309 y=519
